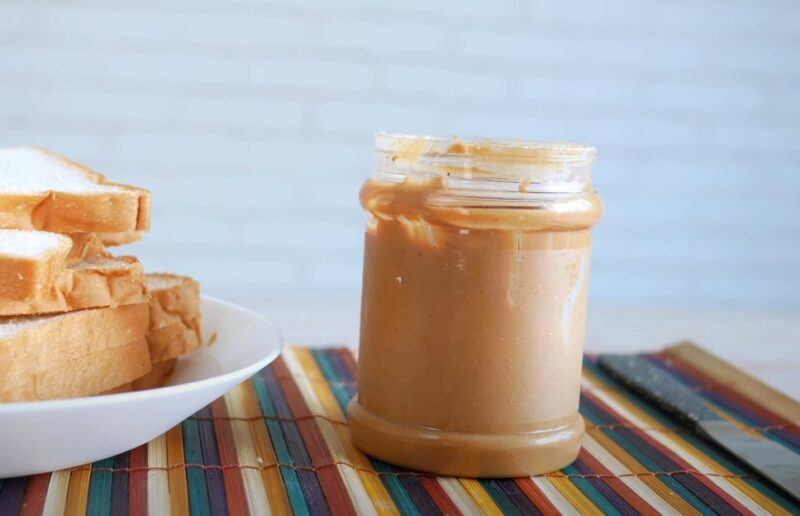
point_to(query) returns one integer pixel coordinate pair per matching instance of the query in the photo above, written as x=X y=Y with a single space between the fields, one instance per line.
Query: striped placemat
x=279 y=443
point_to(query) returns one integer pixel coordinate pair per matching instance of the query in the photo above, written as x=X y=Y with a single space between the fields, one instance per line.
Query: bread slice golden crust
x=76 y=213
x=122 y=208
x=74 y=354
x=172 y=341
x=87 y=246
x=125 y=387
x=158 y=376
x=175 y=316
x=105 y=370
x=117 y=239
x=174 y=328
x=106 y=282
x=29 y=275
x=93 y=245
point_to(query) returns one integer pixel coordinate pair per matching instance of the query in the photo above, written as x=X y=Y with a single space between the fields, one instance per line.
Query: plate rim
x=105 y=399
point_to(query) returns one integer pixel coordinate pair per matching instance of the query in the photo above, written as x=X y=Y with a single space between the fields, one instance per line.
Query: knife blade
x=772 y=460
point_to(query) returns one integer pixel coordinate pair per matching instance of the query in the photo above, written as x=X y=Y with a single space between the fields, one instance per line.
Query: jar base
x=465 y=454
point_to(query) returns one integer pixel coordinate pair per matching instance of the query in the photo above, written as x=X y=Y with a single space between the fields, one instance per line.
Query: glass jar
x=476 y=275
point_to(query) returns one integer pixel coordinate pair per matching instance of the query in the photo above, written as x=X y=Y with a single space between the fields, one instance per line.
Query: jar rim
x=399 y=146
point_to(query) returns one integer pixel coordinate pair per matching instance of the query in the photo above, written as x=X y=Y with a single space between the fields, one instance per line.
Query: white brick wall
x=251 y=122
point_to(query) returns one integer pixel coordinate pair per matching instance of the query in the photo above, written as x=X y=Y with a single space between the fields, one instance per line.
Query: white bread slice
x=100 y=283
x=100 y=372
x=43 y=190
x=174 y=316
x=174 y=327
x=74 y=354
x=30 y=261
x=37 y=276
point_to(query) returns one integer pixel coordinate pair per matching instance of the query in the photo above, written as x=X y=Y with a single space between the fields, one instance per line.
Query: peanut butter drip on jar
x=476 y=271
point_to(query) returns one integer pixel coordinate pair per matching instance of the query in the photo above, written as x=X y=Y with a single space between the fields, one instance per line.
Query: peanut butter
x=476 y=273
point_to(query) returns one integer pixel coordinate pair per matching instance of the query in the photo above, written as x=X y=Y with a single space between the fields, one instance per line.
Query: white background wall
x=251 y=122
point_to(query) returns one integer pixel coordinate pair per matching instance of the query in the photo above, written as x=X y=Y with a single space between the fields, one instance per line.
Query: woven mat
x=279 y=443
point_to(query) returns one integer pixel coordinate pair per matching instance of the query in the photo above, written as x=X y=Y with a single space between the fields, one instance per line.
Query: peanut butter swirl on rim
x=501 y=184
x=527 y=166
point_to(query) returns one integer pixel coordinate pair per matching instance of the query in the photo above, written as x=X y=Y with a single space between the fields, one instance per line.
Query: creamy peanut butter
x=476 y=273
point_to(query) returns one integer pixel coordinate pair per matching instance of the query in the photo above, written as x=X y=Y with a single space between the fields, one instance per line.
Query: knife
x=772 y=460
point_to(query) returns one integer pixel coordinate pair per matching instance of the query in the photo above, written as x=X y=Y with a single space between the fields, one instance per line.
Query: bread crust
x=108 y=369
x=64 y=212
x=93 y=245
x=86 y=246
x=89 y=284
x=79 y=346
x=23 y=278
x=125 y=387
x=175 y=318
x=158 y=376
x=172 y=341
x=117 y=239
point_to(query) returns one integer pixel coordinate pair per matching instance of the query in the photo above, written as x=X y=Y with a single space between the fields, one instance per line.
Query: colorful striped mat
x=279 y=444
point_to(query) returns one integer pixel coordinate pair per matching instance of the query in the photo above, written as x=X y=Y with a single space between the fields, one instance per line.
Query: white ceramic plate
x=49 y=435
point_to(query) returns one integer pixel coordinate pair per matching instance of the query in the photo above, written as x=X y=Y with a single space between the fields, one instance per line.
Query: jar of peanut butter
x=476 y=275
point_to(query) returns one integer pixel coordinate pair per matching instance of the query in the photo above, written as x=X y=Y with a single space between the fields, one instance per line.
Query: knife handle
x=655 y=384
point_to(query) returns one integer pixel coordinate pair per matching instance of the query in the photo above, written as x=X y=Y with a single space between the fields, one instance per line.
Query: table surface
x=766 y=345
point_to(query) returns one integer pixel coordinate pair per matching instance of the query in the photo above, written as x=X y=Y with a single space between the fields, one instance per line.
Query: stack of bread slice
x=74 y=319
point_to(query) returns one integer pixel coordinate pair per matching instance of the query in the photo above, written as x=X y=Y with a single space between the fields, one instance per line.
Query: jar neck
x=424 y=200
x=503 y=170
